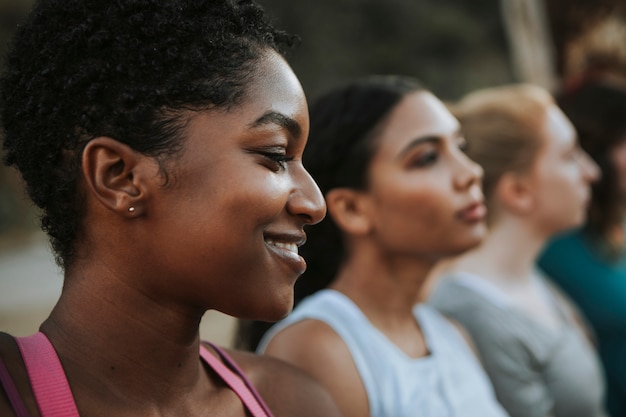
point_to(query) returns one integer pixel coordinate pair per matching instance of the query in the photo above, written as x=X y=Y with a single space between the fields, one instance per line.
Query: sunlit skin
x=221 y=233
x=423 y=202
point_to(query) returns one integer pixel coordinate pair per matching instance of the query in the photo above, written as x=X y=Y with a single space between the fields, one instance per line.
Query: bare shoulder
x=287 y=390
x=10 y=356
x=307 y=340
x=316 y=348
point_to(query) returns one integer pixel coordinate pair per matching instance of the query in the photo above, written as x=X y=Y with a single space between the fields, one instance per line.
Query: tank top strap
x=54 y=395
x=47 y=378
x=236 y=380
x=433 y=326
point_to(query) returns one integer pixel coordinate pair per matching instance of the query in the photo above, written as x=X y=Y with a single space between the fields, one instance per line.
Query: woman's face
x=561 y=176
x=227 y=229
x=425 y=194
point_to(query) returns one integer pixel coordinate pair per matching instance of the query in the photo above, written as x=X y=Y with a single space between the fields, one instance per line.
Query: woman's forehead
x=419 y=114
x=274 y=87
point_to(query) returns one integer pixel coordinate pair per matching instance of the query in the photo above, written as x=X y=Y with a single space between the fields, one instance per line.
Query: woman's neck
x=113 y=338
x=384 y=287
x=506 y=256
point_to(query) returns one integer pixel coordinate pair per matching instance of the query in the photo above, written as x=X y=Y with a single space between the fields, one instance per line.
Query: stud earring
x=131 y=209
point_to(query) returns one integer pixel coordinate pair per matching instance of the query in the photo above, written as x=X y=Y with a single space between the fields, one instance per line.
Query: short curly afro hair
x=126 y=69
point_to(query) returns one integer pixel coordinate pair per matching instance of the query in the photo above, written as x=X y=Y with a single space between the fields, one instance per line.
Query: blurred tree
x=451 y=45
x=532 y=51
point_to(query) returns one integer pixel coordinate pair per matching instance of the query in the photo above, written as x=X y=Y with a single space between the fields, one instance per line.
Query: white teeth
x=291 y=247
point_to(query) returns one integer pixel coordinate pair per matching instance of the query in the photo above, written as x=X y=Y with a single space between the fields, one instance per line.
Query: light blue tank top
x=448 y=383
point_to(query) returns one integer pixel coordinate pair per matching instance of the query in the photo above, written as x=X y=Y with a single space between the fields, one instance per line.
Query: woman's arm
x=314 y=347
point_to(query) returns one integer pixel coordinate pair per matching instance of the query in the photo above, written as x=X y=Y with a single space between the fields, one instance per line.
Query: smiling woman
x=163 y=143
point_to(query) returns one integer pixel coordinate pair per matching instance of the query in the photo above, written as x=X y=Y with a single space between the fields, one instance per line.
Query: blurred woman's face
x=561 y=176
x=424 y=194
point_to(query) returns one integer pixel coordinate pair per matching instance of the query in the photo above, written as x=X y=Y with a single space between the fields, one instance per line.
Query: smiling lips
x=287 y=250
x=473 y=213
x=291 y=247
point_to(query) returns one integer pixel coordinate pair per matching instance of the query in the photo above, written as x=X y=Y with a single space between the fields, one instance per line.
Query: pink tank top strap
x=236 y=380
x=54 y=396
x=47 y=378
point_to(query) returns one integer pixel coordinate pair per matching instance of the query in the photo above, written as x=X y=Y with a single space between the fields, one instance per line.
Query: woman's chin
x=466 y=245
x=274 y=312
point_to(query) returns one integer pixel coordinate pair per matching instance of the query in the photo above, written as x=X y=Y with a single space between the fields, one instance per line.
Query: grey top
x=535 y=371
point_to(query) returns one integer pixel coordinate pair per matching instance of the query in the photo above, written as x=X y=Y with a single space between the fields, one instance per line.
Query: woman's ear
x=348 y=209
x=115 y=175
x=515 y=193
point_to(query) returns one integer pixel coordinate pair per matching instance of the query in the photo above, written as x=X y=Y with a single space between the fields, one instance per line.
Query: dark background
x=453 y=46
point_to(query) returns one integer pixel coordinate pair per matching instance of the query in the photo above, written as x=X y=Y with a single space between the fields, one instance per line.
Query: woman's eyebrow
x=282 y=120
x=458 y=133
x=419 y=141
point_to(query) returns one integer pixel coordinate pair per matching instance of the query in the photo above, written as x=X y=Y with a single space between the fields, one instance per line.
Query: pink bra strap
x=237 y=381
x=52 y=391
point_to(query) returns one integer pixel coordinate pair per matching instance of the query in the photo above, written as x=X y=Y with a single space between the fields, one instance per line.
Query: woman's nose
x=468 y=172
x=306 y=200
x=591 y=170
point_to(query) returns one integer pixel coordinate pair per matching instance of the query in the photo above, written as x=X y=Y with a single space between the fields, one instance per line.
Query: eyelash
x=430 y=157
x=279 y=160
x=426 y=159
